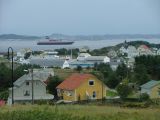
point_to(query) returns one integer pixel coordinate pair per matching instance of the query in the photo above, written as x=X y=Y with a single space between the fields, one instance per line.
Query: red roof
x=144 y=46
x=74 y=81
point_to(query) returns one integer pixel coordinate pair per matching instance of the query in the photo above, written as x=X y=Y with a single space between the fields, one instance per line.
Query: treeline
x=145 y=69
x=111 y=78
x=151 y=64
x=64 y=51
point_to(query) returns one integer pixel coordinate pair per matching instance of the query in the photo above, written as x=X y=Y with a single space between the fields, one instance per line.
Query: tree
x=144 y=97
x=112 y=81
x=4 y=95
x=152 y=64
x=123 y=90
x=5 y=79
x=140 y=74
x=52 y=83
x=122 y=71
x=27 y=55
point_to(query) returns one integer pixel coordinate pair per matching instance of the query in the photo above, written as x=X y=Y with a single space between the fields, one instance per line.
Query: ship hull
x=55 y=43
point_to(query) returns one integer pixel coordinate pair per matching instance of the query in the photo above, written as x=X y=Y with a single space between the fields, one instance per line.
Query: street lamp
x=10 y=48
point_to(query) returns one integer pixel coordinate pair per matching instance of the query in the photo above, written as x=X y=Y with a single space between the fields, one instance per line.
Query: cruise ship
x=49 y=41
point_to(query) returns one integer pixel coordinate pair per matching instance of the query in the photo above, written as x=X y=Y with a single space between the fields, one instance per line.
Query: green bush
x=144 y=97
x=4 y=95
x=135 y=104
x=123 y=90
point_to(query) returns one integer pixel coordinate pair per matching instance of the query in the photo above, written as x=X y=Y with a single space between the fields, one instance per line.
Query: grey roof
x=47 y=62
x=150 y=84
x=114 y=63
x=81 y=62
x=42 y=76
x=96 y=58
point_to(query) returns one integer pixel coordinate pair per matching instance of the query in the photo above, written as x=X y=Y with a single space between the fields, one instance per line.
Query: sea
x=92 y=44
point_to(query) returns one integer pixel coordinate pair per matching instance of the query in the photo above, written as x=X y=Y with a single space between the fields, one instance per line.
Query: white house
x=130 y=62
x=132 y=51
x=144 y=50
x=83 y=56
x=112 y=53
x=84 y=49
x=22 y=52
x=2 y=54
x=154 y=50
x=65 y=64
x=23 y=61
x=123 y=50
x=98 y=59
x=23 y=87
x=158 y=52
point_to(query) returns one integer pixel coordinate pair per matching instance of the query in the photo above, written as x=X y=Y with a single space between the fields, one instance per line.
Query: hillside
x=85 y=37
x=105 y=50
x=14 y=36
x=105 y=36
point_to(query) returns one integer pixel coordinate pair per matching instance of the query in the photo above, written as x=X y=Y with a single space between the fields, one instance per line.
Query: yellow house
x=81 y=87
x=152 y=88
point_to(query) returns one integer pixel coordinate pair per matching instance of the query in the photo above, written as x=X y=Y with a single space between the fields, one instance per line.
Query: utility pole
x=102 y=85
x=71 y=53
x=32 y=86
x=32 y=82
x=10 y=48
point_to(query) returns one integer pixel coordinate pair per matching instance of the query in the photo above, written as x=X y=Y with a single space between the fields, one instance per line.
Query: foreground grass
x=77 y=112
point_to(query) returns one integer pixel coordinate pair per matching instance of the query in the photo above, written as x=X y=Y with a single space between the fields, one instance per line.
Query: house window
x=27 y=83
x=94 y=94
x=91 y=82
x=69 y=93
x=37 y=83
x=27 y=93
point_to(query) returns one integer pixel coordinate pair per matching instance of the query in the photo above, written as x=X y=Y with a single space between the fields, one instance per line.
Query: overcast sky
x=76 y=17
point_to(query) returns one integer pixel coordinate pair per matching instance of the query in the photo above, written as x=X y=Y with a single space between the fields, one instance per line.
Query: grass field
x=77 y=112
x=64 y=73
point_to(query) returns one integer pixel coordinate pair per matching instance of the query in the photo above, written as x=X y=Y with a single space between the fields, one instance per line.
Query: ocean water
x=92 y=44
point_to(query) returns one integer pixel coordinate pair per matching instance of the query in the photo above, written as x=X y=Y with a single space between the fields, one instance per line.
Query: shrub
x=4 y=95
x=144 y=97
x=123 y=90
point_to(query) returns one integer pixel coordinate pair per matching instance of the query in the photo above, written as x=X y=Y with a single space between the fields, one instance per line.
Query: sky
x=79 y=17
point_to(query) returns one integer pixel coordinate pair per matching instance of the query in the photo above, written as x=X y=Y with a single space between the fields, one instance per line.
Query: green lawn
x=2 y=60
x=77 y=112
x=64 y=73
x=111 y=93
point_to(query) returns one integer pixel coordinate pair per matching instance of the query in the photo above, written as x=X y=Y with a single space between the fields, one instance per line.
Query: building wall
x=81 y=92
x=144 y=90
x=155 y=92
x=85 y=88
x=39 y=90
x=68 y=95
x=106 y=59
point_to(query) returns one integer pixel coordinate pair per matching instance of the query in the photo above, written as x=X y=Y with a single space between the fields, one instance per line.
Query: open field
x=64 y=73
x=77 y=112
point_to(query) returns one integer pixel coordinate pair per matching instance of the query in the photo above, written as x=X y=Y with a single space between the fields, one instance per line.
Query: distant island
x=14 y=36
x=83 y=37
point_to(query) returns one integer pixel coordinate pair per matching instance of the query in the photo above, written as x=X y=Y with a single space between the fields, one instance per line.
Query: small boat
x=49 y=41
